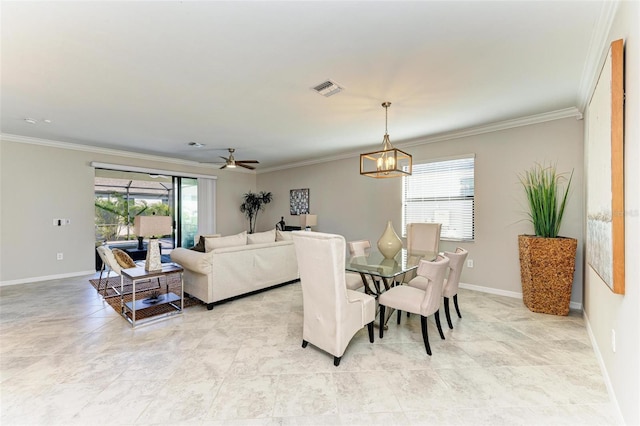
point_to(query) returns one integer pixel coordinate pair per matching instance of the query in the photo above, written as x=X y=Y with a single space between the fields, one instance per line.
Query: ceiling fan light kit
x=231 y=162
x=388 y=162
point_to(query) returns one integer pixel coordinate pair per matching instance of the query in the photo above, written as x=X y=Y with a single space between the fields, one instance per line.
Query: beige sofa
x=237 y=265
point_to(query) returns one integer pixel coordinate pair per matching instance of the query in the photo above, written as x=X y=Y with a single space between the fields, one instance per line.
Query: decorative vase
x=389 y=243
x=547 y=266
x=153 y=262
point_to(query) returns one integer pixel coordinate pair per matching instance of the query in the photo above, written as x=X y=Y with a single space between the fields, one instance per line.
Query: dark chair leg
x=399 y=314
x=106 y=281
x=336 y=360
x=446 y=312
x=382 y=309
x=437 y=315
x=304 y=343
x=425 y=336
x=370 y=327
x=455 y=302
x=209 y=306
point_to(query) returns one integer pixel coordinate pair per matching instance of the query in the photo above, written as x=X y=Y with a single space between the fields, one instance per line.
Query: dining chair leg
x=425 y=336
x=336 y=360
x=382 y=309
x=455 y=302
x=370 y=327
x=446 y=312
x=437 y=315
x=399 y=315
x=304 y=343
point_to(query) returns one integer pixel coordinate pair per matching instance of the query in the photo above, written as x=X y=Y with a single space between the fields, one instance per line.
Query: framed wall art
x=605 y=172
x=299 y=201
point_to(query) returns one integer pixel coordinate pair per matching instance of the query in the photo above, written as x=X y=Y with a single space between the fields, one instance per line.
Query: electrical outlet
x=60 y=256
x=470 y=263
x=613 y=340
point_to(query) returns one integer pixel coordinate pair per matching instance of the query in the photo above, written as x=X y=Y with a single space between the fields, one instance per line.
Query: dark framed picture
x=299 y=201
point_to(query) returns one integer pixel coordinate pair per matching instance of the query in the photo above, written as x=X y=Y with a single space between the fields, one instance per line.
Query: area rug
x=144 y=290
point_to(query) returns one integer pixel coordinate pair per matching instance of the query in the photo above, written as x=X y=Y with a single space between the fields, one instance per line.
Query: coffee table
x=167 y=298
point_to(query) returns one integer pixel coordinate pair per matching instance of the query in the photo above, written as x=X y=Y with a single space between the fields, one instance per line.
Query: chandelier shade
x=388 y=162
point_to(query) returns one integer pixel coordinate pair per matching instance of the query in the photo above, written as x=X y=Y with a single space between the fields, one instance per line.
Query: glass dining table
x=386 y=271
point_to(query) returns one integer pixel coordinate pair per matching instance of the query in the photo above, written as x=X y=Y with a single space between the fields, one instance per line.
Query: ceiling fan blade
x=245 y=166
x=223 y=166
x=248 y=161
x=224 y=158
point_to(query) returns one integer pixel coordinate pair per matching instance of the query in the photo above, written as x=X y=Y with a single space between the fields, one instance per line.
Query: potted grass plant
x=547 y=260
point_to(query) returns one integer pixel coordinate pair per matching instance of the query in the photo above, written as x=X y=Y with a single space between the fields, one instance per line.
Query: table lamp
x=151 y=227
x=308 y=220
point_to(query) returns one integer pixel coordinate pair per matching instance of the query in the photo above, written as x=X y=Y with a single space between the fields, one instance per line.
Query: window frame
x=461 y=197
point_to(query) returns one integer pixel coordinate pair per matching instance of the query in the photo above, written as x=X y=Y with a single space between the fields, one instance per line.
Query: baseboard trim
x=603 y=369
x=46 y=278
x=507 y=293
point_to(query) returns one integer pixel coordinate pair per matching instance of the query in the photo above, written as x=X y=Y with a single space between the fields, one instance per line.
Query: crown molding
x=108 y=151
x=457 y=134
x=472 y=131
x=597 y=52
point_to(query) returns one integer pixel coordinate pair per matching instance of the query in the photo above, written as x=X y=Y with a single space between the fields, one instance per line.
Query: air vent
x=328 y=88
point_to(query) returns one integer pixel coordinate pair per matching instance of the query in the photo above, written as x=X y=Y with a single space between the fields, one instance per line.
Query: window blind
x=441 y=191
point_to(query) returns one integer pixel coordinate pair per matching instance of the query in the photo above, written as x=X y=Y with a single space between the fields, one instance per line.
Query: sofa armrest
x=193 y=260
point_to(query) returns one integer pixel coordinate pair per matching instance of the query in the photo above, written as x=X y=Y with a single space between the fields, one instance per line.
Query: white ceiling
x=152 y=76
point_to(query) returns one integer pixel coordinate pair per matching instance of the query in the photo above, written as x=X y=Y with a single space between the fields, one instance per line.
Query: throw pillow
x=262 y=237
x=283 y=236
x=200 y=246
x=230 y=241
x=124 y=260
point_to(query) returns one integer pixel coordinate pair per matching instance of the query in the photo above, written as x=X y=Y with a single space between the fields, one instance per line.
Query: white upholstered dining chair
x=451 y=282
x=422 y=237
x=354 y=279
x=332 y=313
x=417 y=301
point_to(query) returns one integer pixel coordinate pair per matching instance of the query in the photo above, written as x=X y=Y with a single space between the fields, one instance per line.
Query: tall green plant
x=543 y=186
x=252 y=204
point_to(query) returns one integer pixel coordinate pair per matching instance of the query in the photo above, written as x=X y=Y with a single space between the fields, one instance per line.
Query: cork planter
x=546 y=270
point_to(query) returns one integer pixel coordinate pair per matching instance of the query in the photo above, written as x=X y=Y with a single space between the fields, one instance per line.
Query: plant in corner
x=547 y=261
x=252 y=203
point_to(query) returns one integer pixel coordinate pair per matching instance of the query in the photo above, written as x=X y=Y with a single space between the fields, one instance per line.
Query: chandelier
x=388 y=162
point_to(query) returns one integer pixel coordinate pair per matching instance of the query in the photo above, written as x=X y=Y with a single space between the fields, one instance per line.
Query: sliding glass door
x=187 y=210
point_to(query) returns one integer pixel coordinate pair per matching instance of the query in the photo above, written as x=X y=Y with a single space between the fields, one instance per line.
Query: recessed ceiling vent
x=328 y=88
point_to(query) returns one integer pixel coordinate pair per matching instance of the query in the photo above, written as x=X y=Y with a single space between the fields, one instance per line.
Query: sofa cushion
x=283 y=236
x=229 y=241
x=123 y=259
x=262 y=237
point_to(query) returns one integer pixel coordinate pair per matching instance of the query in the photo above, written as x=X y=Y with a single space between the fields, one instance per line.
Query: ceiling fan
x=231 y=162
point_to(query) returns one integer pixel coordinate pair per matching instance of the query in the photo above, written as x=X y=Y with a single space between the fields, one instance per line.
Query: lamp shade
x=152 y=226
x=308 y=220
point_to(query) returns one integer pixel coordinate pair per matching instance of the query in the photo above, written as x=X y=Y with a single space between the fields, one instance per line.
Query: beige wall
x=358 y=207
x=39 y=183
x=606 y=311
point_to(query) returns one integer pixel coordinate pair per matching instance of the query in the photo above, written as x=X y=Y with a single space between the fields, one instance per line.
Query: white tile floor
x=67 y=358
